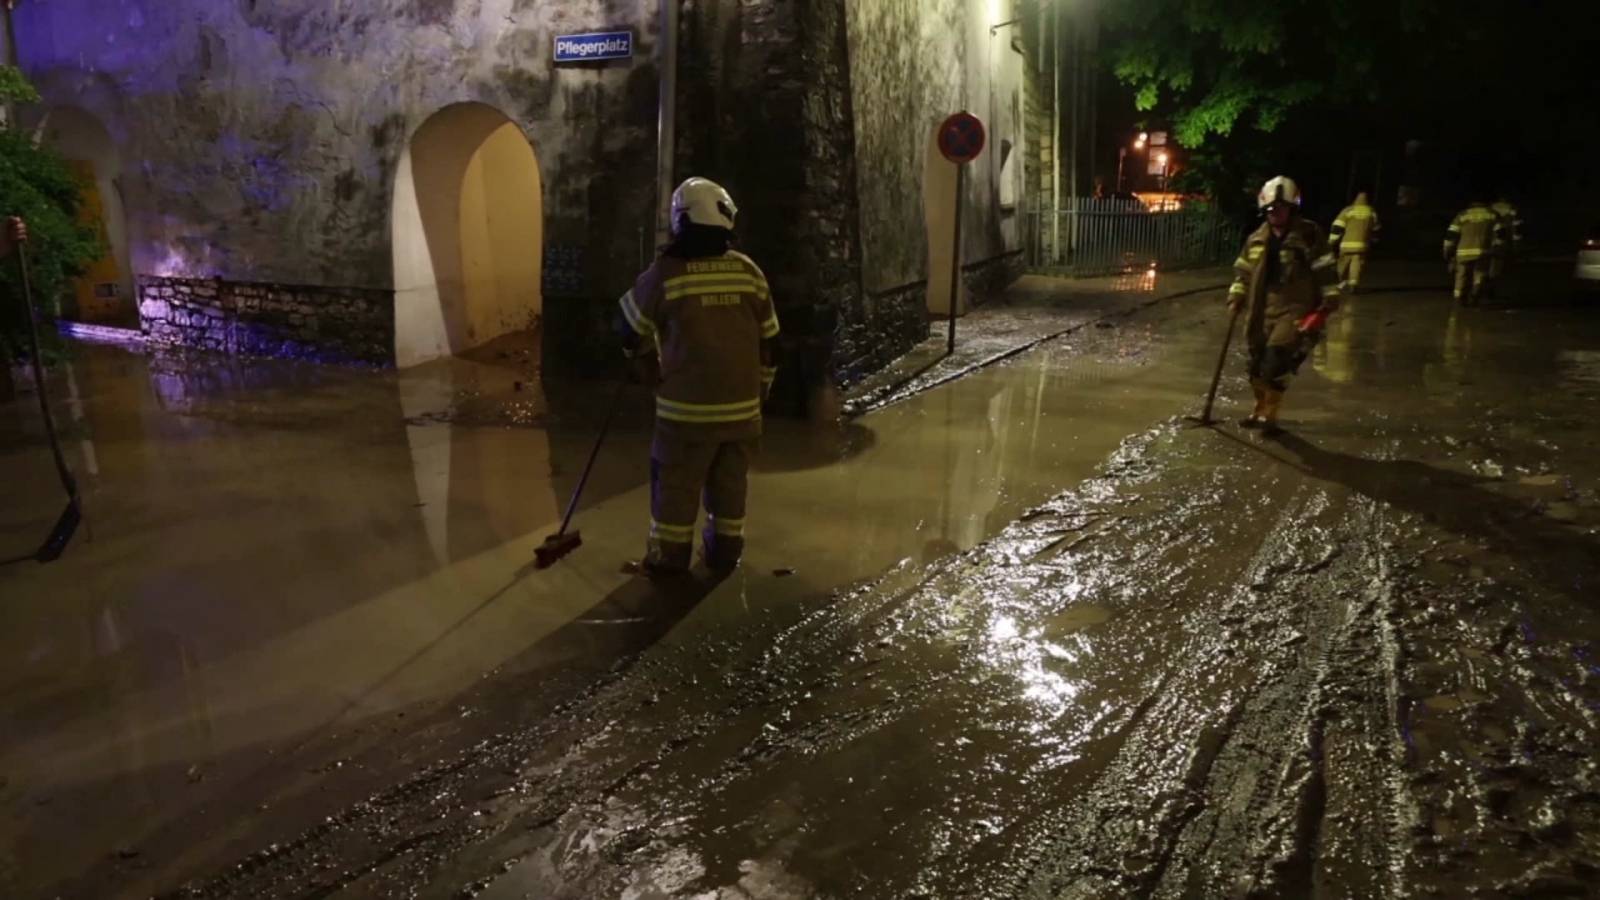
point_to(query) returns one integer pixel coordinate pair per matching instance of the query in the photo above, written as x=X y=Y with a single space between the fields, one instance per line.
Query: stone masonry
x=320 y=324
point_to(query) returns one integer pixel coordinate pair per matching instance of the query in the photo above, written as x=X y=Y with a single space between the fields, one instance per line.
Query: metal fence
x=1106 y=237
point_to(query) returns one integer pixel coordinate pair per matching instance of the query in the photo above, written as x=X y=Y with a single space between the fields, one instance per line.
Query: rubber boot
x=1269 y=413
x=722 y=552
x=1254 y=419
x=666 y=559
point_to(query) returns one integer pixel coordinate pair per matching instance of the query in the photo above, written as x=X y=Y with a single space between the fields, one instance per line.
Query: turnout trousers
x=688 y=465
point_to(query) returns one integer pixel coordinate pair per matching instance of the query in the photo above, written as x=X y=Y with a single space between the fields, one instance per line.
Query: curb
x=889 y=396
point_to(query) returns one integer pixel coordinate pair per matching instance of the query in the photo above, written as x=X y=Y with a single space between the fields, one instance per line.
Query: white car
x=1587 y=271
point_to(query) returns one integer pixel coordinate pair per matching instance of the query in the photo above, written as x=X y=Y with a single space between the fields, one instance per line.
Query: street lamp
x=1122 y=155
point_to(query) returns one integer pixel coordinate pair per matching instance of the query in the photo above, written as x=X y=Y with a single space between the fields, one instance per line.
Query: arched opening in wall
x=939 y=215
x=104 y=293
x=468 y=235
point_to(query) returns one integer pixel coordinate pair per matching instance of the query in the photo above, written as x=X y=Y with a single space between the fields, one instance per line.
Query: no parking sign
x=961 y=138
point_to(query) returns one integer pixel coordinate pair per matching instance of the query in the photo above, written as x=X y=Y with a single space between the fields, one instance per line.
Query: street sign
x=961 y=138
x=602 y=45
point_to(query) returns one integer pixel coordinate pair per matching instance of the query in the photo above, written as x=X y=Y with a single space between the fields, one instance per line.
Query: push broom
x=67 y=524
x=563 y=542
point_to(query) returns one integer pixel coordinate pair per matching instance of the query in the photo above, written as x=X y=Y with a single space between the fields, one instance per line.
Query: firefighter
x=1284 y=274
x=1468 y=246
x=1353 y=233
x=1511 y=227
x=701 y=324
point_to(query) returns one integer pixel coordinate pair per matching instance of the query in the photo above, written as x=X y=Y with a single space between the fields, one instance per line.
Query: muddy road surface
x=1362 y=660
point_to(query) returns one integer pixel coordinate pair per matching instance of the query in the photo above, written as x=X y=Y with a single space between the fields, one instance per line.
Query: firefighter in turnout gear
x=701 y=324
x=1511 y=242
x=1468 y=246
x=1352 y=234
x=1284 y=274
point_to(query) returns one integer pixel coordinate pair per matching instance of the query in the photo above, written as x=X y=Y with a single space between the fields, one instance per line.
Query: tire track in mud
x=1244 y=817
x=1194 y=675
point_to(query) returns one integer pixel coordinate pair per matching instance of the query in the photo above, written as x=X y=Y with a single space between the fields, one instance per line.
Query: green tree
x=1249 y=88
x=1214 y=65
x=36 y=184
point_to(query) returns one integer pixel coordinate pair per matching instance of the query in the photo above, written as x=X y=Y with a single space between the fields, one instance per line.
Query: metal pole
x=666 y=124
x=955 y=258
x=1055 y=140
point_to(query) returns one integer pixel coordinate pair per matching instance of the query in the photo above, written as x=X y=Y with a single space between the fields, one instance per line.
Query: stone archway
x=104 y=293
x=467 y=234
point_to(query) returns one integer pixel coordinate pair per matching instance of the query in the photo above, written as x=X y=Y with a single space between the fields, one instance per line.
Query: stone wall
x=259 y=145
x=834 y=209
x=321 y=324
x=914 y=62
x=260 y=141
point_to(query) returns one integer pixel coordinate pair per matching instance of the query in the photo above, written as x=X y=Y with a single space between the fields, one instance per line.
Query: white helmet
x=703 y=202
x=1281 y=189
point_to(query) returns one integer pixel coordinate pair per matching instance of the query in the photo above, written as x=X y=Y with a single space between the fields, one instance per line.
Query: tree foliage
x=36 y=184
x=1503 y=90
x=1212 y=66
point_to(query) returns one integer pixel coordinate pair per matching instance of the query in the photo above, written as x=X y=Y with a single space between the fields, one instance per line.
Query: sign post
x=961 y=140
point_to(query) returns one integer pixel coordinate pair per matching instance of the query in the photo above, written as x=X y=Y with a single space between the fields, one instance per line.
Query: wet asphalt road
x=1359 y=661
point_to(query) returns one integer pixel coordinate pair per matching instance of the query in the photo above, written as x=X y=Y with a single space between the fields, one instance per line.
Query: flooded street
x=1027 y=633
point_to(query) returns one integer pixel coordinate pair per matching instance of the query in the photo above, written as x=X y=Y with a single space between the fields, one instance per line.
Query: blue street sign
x=592 y=47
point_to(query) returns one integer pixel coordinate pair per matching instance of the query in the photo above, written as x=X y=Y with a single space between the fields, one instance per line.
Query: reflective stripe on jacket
x=1473 y=233
x=1284 y=279
x=1354 y=228
x=707 y=318
x=1510 y=221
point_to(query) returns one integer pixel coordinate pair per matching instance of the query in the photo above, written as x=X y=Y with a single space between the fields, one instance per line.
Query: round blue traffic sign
x=961 y=138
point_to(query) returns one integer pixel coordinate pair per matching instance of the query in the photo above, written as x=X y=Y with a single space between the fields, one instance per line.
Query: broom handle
x=67 y=481
x=605 y=428
x=1222 y=361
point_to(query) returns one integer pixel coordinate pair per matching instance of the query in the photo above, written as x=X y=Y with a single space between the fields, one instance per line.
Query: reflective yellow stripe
x=681 y=280
x=1331 y=290
x=1338 y=224
x=1238 y=288
x=1324 y=261
x=1254 y=253
x=1468 y=255
x=1241 y=263
x=1352 y=247
x=725 y=287
x=727 y=527
x=769 y=328
x=708 y=413
x=722 y=419
x=676 y=534
x=768 y=373
x=707 y=407
x=637 y=320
